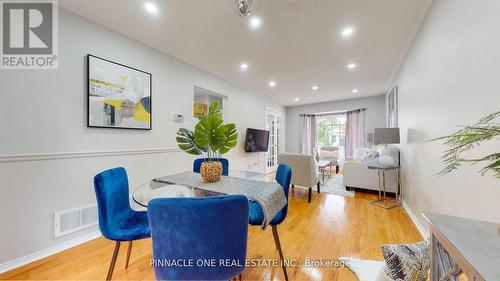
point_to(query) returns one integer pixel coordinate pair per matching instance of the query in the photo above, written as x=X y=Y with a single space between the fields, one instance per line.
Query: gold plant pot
x=211 y=171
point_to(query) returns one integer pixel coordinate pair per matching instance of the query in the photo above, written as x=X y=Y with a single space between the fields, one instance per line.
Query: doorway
x=275 y=124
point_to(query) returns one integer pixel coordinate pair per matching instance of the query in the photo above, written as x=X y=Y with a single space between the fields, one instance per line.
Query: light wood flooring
x=328 y=228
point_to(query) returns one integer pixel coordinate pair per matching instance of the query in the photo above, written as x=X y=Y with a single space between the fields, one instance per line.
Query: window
x=331 y=131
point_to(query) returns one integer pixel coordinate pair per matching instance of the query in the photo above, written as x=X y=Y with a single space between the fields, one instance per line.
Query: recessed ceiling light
x=150 y=7
x=355 y=90
x=347 y=32
x=255 y=22
x=272 y=84
x=296 y=99
x=315 y=88
x=243 y=66
x=351 y=66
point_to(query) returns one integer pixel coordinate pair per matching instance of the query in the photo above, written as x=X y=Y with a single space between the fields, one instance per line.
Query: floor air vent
x=72 y=220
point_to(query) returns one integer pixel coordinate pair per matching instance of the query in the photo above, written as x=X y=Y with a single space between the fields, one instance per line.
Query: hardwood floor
x=328 y=228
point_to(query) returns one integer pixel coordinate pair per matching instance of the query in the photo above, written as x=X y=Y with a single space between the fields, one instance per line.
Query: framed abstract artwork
x=199 y=109
x=393 y=108
x=119 y=96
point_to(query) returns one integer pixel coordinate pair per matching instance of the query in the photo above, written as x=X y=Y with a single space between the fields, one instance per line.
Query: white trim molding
x=281 y=113
x=84 y=154
x=423 y=231
x=13 y=264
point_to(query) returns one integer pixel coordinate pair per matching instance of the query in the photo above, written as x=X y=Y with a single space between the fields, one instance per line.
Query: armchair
x=330 y=153
x=305 y=170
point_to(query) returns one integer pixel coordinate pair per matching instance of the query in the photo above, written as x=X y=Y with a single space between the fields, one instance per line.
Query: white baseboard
x=423 y=231
x=10 y=265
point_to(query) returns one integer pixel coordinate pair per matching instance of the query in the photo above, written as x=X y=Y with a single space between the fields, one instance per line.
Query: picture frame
x=118 y=96
x=393 y=108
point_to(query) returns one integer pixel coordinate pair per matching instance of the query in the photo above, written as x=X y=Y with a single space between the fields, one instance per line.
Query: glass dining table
x=158 y=189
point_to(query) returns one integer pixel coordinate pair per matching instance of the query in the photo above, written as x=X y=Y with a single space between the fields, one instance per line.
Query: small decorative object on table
x=211 y=171
x=211 y=138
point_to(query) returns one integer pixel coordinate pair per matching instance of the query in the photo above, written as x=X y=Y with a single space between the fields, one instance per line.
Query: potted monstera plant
x=211 y=138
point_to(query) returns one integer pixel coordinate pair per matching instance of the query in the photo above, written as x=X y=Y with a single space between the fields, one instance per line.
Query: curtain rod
x=332 y=112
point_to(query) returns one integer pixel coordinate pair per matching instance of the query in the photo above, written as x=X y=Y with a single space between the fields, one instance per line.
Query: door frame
x=281 y=138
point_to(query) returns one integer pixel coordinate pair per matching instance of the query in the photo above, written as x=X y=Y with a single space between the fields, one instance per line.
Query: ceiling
x=298 y=44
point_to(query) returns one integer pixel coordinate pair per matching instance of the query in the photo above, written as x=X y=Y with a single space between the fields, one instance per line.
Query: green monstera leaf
x=213 y=110
x=186 y=142
x=211 y=137
x=209 y=133
x=231 y=138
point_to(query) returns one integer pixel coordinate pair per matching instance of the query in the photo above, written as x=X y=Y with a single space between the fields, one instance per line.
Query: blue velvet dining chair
x=256 y=216
x=199 y=229
x=224 y=161
x=117 y=221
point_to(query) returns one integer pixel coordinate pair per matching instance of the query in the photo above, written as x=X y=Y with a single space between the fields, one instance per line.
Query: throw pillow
x=360 y=154
x=370 y=156
x=407 y=262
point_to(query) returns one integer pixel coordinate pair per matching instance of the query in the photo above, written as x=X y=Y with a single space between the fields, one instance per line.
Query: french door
x=275 y=124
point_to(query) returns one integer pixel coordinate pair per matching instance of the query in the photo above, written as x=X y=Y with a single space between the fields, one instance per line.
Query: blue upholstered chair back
x=199 y=229
x=111 y=189
x=283 y=177
x=224 y=161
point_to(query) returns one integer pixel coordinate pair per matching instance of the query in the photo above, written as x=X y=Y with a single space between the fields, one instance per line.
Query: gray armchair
x=305 y=170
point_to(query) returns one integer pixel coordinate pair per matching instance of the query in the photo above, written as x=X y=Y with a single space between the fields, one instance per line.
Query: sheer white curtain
x=307 y=133
x=355 y=131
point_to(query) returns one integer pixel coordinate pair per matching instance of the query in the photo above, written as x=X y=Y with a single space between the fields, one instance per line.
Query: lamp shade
x=385 y=135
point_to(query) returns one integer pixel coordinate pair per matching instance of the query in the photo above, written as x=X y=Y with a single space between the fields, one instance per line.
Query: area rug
x=335 y=186
x=366 y=270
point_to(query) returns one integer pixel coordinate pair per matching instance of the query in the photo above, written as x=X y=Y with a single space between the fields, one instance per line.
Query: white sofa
x=357 y=174
x=304 y=170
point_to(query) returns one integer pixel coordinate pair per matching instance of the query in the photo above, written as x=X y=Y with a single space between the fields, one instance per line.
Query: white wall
x=375 y=116
x=450 y=77
x=44 y=112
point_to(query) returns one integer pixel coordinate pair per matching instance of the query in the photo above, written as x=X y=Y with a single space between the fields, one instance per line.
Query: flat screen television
x=256 y=140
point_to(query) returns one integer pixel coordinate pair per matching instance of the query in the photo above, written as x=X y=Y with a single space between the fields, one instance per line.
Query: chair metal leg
x=113 y=261
x=318 y=184
x=280 y=251
x=293 y=185
x=337 y=169
x=128 y=253
x=309 y=199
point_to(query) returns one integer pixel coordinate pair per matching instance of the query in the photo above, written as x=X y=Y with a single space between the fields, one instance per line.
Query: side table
x=382 y=200
x=323 y=165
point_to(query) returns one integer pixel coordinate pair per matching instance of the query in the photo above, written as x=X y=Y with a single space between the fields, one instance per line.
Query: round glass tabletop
x=155 y=189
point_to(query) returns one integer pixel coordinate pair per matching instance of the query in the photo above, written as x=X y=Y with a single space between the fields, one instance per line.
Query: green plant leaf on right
x=213 y=110
x=231 y=138
x=209 y=133
x=470 y=137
